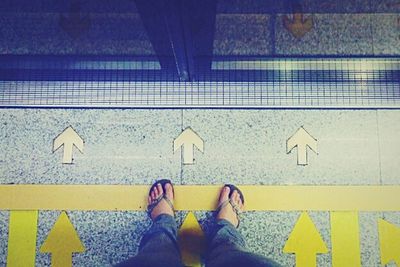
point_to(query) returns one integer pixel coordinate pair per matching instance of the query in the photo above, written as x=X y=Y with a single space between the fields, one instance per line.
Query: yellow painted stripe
x=192 y=197
x=345 y=238
x=22 y=238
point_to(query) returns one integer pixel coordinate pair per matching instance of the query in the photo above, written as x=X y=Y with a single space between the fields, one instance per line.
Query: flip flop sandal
x=151 y=206
x=235 y=207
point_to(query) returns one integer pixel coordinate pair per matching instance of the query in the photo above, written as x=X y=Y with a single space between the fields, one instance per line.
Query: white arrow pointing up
x=188 y=138
x=68 y=138
x=301 y=139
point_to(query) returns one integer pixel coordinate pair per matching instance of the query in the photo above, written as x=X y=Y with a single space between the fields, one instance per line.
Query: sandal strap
x=151 y=207
x=169 y=202
x=235 y=208
x=222 y=205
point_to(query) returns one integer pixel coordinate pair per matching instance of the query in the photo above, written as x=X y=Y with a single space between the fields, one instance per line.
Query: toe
x=224 y=194
x=169 y=192
x=238 y=201
x=234 y=195
x=160 y=190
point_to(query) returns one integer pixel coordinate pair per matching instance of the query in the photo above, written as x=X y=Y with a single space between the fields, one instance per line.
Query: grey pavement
x=241 y=146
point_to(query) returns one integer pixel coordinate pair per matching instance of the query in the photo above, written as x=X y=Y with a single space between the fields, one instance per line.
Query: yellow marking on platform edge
x=305 y=241
x=22 y=238
x=196 y=197
x=62 y=241
x=191 y=241
x=389 y=239
x=345 y=238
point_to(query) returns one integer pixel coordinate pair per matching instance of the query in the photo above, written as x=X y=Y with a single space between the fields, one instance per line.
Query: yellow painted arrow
x=389 y=239
x=191 y=241
x=298 y=26
x=61 y=242
x=305 y=241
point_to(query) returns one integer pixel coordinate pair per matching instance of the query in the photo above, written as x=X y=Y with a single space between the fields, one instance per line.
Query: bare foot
x=227 y=211
x=162 y=207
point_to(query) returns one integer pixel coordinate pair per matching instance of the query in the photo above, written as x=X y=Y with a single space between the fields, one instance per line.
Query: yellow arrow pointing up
x=191 y=241
x=389 y=239
x=305 y=241
x=61 y=242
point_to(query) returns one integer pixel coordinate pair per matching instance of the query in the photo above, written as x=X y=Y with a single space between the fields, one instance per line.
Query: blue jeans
x=159 y=247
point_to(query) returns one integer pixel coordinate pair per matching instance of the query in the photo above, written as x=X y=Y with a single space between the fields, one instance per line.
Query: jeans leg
x=227 y=248
x=158 y=246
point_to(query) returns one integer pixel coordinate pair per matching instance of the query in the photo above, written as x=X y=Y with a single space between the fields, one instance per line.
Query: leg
x=159 y=246
x=227 y=245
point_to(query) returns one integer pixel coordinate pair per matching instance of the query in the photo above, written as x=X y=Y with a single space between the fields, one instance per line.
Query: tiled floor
x=355 y=147
x=241 y=146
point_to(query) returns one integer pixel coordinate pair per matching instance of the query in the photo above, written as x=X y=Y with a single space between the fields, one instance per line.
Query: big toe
x=169 y=192
x=224 y=196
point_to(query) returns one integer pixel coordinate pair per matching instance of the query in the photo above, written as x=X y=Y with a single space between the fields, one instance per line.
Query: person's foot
x=162 y=207
x=227 y=212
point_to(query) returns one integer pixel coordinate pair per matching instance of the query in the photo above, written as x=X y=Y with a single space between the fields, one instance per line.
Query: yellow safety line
x=345 y=239
x=196 y=197
x=22 y=238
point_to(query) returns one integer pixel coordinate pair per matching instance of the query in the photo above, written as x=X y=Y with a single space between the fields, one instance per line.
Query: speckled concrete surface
x=237 y=34
x=4 y=217
x=321 y=40
x=369 y=239
x=121 y=146
x=249 y=147
x=241 y=146
x=38 y=33
x=354 y=34
x=332 y=34
x=386 y=33
x=389 y=128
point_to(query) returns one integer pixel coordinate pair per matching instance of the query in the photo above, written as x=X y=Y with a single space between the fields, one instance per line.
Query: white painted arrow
x=68 y=138
x=188 y=138
x=302 y=139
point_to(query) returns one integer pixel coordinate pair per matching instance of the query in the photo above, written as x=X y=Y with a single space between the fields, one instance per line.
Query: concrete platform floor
x=355 y=147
